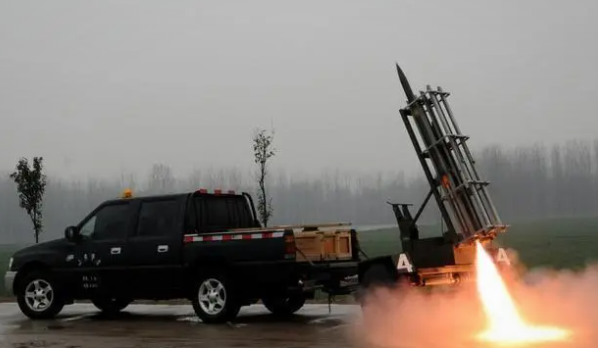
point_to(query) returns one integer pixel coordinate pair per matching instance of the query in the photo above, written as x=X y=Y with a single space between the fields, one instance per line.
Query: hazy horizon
x=528 y=183
x=100 y=88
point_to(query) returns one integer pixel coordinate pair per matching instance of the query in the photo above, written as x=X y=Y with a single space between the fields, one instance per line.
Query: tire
x=284 y=305
x=110 y=305
x=377 y=275
x=214 y=299
x=39 y=295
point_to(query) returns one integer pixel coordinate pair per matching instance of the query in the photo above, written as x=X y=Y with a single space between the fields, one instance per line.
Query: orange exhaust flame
x=505 y=324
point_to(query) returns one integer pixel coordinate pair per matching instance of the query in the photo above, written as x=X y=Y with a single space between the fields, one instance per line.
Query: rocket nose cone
x=399 y=70
x=405 y=84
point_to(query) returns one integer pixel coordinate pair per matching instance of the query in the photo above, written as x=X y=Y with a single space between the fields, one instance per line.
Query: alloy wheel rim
x=39 y=295
x=212 y=296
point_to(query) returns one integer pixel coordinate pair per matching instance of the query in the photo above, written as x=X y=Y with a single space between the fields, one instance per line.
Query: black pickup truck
x=207 y=247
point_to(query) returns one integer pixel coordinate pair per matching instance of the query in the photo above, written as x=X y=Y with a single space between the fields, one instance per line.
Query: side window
x=197 y=221
x=191 y=223
x=110 y=222
x=158 y=218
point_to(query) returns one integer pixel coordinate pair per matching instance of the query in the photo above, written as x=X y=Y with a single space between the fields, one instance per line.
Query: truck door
x=156 y=245
x=100 y=259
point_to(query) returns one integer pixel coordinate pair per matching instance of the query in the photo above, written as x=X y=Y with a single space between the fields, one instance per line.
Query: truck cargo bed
x=317 y=242
x=323 y=246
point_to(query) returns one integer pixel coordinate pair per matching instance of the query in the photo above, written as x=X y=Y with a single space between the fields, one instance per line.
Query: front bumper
x=9 y=280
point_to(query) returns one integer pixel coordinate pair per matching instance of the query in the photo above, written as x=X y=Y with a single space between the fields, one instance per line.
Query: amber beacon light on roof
x=127 y=193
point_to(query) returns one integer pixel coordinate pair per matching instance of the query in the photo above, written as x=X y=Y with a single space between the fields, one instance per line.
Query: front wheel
x=214 y=301
x=284 y=305
x=38 y=295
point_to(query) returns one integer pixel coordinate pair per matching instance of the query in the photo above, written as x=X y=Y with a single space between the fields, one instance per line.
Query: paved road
x=165 y=326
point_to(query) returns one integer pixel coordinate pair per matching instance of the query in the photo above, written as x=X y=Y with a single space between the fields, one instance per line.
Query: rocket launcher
x=462 y=196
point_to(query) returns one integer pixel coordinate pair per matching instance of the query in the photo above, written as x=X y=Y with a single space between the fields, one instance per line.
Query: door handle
x=115 y=251
x=162 y=248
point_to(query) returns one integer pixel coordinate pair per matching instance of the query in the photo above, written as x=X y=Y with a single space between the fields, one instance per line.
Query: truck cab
x=207 y=247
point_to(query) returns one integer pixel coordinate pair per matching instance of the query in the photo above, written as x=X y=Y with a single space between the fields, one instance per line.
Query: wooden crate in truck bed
x=318 y=242
x=325 y=242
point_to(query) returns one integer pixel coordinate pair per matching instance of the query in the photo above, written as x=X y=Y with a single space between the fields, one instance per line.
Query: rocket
x=405 y=84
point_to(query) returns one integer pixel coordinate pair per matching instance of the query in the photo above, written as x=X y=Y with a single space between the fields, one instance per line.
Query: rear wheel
x=214 y=299
x=284 y=305
x=39 y=295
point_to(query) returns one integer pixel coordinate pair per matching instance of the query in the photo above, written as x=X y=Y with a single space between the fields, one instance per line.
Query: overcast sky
x=100 y=87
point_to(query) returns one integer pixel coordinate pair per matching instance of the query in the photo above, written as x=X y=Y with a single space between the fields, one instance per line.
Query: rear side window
x=245 y=219
x=158 y=218
x=218 y=213
x=231 y=206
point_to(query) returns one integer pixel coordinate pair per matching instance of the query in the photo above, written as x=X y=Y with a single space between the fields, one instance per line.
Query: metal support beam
x=421 y=209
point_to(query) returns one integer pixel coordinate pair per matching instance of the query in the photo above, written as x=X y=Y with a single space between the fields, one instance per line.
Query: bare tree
x=161 y=179
x=31 y=186
x=551 y=181
x=263 y=151
x=128 y=181
x=195 y=179
x=235 y=178
x=538 y=176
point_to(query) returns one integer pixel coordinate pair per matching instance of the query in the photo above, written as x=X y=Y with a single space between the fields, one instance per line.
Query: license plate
x=351 y=280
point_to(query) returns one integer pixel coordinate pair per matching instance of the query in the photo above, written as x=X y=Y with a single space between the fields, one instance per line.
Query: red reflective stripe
x=233 y=236
x=215 y=192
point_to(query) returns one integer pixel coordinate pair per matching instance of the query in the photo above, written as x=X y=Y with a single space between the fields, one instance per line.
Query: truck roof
x=128 y=195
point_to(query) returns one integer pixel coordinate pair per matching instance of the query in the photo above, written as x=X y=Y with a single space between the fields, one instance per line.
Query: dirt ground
x=165 y=326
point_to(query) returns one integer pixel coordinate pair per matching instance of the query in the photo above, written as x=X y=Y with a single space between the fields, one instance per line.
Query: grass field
x=558 y=243
x=5 y=252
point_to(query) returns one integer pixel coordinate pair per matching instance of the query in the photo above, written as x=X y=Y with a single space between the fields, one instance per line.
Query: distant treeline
x=526 y=183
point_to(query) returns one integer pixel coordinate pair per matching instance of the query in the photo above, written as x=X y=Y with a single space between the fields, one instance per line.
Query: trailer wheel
x=284 y=305
x=375 y=276
x=214 y=299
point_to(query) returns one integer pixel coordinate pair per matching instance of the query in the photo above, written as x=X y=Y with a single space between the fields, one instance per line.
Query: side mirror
x=71 y=233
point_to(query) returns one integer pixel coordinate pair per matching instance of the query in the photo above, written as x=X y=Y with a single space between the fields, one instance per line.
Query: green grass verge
x=557 y=243
x=5 y=253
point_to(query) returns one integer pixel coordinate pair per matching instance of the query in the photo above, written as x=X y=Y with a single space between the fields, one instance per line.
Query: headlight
x=10 y=264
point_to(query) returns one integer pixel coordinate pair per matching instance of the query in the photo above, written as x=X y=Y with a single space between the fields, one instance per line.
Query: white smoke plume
x=407 y=317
